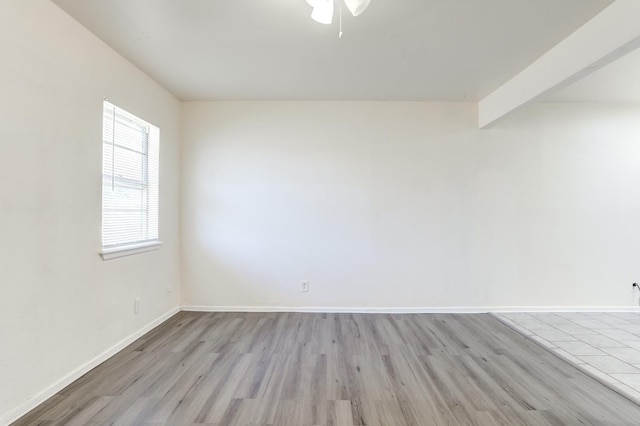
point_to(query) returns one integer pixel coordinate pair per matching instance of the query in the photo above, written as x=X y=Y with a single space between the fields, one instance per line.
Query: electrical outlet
x=304 y=287
x=136 y=305
x=168 y=289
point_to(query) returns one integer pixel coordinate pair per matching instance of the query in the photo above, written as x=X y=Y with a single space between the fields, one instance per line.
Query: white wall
x=60 y=304
x=409 y=205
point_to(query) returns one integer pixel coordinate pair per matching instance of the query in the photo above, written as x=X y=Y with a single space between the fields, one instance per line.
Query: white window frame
x=117 y=241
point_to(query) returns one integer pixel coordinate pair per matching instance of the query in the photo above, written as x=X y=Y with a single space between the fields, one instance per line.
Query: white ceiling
x=446 y=50
x=618 y=82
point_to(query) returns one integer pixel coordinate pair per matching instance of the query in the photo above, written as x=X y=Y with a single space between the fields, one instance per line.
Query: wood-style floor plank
x=334 y=369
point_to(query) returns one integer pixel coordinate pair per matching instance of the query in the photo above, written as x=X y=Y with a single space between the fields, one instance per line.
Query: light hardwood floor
x=334 y=369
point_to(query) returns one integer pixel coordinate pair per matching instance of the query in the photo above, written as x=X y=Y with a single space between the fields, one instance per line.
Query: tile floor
x=604 y=345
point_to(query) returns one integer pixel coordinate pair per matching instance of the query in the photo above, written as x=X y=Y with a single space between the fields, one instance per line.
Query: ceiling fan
x=323 y=9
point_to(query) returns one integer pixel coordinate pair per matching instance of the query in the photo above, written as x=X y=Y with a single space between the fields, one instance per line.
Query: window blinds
x=130 y=175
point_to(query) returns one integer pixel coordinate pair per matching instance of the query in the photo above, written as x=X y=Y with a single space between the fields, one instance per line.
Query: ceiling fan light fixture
x=322 y=11
x=356 y=7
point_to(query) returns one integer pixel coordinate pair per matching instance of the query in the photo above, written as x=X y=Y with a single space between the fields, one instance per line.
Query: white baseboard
x=56 y=387
x=335 y=309
x=506 y=309
x=409 y=310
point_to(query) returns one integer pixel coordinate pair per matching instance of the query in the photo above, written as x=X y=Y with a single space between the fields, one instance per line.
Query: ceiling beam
x=609 y=35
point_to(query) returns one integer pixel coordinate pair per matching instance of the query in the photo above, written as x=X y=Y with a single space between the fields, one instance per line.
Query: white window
x=130 y=174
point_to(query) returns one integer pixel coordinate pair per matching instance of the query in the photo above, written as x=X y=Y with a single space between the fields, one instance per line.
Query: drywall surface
x=61 y=305
x=397 y=205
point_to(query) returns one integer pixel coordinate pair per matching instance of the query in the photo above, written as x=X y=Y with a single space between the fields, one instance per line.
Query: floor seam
x=520 y=330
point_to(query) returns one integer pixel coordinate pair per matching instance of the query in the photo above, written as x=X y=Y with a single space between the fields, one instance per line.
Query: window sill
x=116 y=252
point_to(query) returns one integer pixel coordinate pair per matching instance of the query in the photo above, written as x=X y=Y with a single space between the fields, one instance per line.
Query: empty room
x=320 y=212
